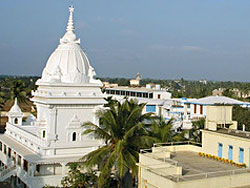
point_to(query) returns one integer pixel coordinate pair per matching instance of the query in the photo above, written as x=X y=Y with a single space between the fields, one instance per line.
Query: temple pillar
x=51 y=129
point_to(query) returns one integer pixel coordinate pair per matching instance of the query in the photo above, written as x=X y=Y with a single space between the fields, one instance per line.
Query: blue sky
x=190 y=39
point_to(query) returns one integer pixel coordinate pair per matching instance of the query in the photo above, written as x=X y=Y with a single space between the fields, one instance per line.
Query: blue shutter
x=220 y=149
x=241 y=155
x=150 y=108
x=230 y=152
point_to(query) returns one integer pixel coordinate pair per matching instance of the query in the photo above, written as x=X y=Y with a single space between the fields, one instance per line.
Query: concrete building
x=218 y=91
x=158 y=100
x=136 y=81
x=196 y=108
x=67 y=95
x=218 y=162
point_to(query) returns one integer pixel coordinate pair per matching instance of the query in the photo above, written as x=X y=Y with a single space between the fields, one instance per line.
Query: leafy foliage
x=163 y=132
x=77 y=179
x=195 y=133
x=242 y=116
x=123 y=129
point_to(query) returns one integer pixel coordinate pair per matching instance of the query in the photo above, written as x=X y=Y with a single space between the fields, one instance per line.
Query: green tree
x=228 y=93
x=123 y=130
x=195 y=132
x=242 y=116
x=162 y=130
x=18 y=90
x=77 y=179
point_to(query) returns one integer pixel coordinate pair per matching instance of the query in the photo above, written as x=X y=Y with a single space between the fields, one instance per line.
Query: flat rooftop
x=194 y=167
x=137 y=89
x=192 y=163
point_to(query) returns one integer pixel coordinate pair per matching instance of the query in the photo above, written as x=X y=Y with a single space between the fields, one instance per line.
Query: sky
x=162 y=39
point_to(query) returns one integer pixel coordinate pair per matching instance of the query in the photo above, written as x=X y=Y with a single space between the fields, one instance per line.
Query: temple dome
x=68 y=63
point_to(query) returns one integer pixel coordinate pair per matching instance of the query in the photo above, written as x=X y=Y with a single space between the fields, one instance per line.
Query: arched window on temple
x=74 y=136
x=15 y=121
x=44 y=134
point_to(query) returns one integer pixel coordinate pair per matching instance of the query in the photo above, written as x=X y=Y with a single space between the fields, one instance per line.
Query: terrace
x=174 y=163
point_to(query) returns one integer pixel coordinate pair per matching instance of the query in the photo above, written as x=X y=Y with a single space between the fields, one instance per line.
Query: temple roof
x=15 y=108
x=68 y=63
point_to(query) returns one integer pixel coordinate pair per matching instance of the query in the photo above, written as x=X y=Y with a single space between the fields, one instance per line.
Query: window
x=9 y=152
x=38 y=168
x=201 y=109
x=44 y=134
x=195 y=108
x=220 y=149
x=25 y=165
x=150 y=95
x=1 y=146
x=19 y=160
x=15 y=121
x=230 y=152
x=14 y=156
x=4 y=149
x=139 y=94
x=74 y=136
x=241 y=155
x=150 y=108
x=188 y=105
x=159 y=96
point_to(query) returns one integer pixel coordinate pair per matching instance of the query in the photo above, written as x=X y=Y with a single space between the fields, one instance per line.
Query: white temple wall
x=66 y=124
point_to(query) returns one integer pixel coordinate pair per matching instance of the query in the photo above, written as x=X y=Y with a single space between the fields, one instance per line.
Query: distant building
x=158 y=100
x=108 y=85
x=136 y=81
x=238 y=93
x=213 y=164
x=196 y=108
x=218 y=92
x=203 y=81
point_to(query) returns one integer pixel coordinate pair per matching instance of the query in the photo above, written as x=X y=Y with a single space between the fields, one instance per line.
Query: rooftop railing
x=26 y=135
x=177 y=143
x=162 y=159
x=181 y=178
x=210 y=174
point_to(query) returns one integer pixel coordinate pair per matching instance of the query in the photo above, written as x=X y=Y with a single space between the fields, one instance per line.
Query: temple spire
x=70 y=35
x=15 y=103
x=70 y=26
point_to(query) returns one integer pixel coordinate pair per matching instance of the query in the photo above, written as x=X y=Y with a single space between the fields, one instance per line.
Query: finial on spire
x=70 y=36
x=15 y=103
x=70 y=26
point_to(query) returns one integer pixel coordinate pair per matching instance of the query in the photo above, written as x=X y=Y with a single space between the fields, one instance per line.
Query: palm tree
x=163 y=131
x=123 y=130
x=18 y=90
x=195 y=132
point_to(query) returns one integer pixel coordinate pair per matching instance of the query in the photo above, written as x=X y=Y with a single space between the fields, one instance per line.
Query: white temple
x=68 y=94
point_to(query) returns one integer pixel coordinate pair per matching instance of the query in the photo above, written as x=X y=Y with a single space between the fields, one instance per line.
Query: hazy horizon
x=160 y=39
